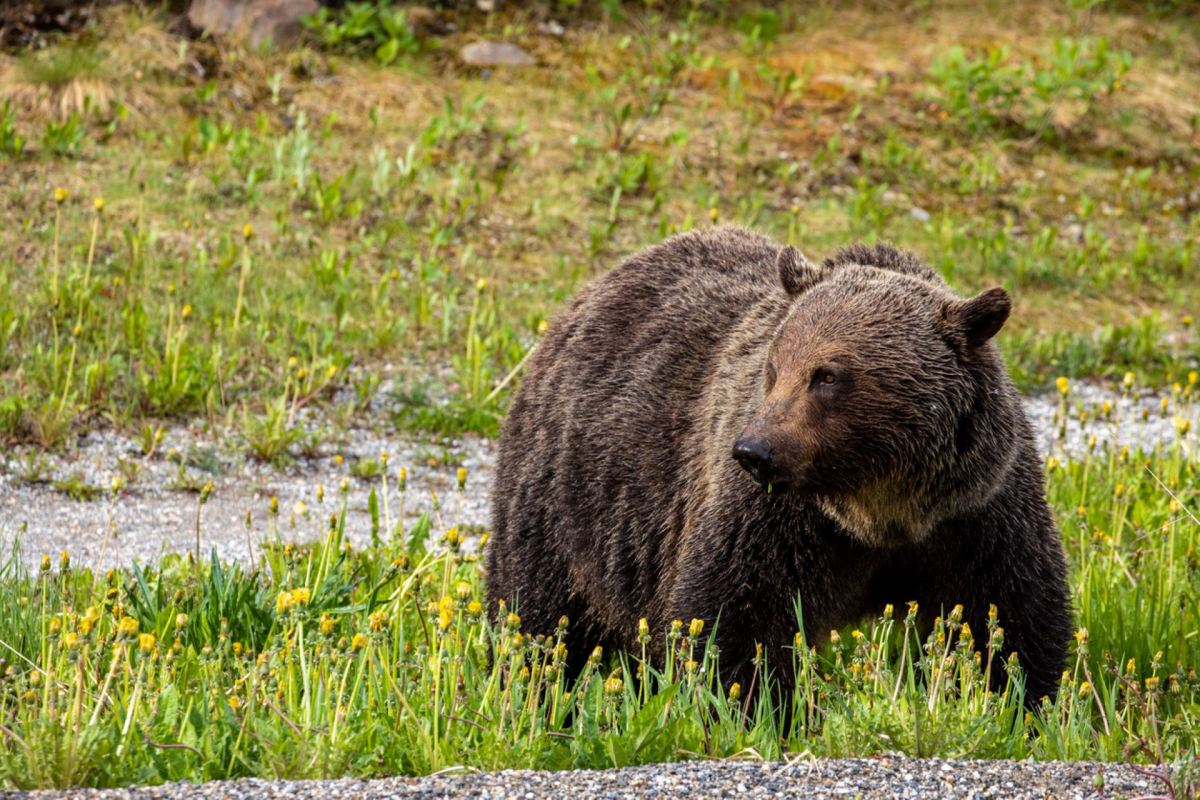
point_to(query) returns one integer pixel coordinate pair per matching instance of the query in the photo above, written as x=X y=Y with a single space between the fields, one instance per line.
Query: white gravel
x=152 y=515
x=893 y=778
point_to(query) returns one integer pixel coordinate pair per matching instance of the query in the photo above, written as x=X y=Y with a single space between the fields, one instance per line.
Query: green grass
x=324 y=660
x=437 y=234
x=279 y=232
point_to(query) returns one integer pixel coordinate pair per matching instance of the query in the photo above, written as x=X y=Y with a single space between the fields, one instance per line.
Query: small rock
x=919 y=214
x=552 y=28
x=495 y=54
x=257 y=21
x=424 y=21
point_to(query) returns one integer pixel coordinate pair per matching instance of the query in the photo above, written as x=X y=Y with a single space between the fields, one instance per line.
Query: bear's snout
x=754 y=455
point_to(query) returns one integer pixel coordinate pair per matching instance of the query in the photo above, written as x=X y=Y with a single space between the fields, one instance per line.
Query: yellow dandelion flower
x=1128 y=380
x=696 y=628
x=735 y=692
x=358 y=642
x=614 y=686
x=146 y=642
x=1064 y=385
x=128 y=626
x=98 y=204
x=247 y=231
x=70 y=640
x=301 y=595
x=326 y=624
x=462 y=478
x=60 y=195
x=474 y=608
x=283 y=602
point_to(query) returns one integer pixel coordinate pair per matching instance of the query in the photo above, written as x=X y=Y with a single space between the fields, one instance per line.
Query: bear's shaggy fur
x=899 y=464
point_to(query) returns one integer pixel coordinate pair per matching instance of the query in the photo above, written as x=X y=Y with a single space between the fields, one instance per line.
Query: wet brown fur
x=913 y=476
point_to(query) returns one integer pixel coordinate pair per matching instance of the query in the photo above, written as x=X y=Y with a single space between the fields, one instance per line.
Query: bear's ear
x=981 y=317
x=795 y=272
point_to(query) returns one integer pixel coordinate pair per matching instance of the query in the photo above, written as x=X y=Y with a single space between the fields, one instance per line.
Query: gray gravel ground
x=153 y=514
x=868 y=779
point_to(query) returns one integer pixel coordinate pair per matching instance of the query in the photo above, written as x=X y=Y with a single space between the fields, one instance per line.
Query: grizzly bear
x=717 y=428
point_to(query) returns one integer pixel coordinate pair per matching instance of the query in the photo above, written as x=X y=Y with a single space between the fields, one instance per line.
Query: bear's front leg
x=1008 y=556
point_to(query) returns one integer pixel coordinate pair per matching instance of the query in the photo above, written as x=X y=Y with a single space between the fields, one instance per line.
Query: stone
x=495 y=54
x=424 y=21
x=258 y=22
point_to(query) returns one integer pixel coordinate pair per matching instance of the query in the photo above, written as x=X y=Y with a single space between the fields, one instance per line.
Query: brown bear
x=717 y=428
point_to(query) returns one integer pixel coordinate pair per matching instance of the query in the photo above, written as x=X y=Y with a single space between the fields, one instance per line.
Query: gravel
x=156 y=512
x=846 y=779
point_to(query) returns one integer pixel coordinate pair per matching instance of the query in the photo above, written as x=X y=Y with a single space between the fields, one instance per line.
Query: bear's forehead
x=865 y=291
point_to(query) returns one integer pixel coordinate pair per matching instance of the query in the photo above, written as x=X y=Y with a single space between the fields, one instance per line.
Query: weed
x=383 y=661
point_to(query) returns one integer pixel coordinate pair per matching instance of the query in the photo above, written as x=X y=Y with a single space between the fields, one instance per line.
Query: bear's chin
x=878 y=517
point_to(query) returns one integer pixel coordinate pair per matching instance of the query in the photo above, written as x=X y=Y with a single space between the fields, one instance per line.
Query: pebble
x=890 y=778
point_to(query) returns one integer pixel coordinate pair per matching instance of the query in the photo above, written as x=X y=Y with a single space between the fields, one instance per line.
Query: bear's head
x=883 y=398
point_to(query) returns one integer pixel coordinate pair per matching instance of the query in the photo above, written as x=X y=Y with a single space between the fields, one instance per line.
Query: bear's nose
x=754 y=456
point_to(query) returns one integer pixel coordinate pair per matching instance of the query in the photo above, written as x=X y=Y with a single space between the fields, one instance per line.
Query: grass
x=248 y=238
x=323 y=660
x=1042 y=148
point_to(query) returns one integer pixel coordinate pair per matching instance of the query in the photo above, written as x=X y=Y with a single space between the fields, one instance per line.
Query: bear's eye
x=823 y=377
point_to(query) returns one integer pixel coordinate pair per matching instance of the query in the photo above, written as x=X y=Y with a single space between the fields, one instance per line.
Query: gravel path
x=846 y=779
x=156 y=511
